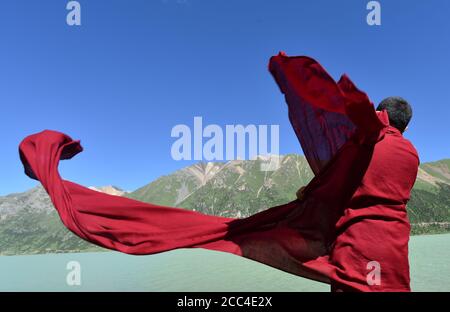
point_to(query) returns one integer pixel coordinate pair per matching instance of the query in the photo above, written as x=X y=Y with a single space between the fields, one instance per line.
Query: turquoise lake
x=197 y=270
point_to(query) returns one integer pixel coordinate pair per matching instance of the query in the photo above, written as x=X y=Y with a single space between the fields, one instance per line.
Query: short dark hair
x=399 y=111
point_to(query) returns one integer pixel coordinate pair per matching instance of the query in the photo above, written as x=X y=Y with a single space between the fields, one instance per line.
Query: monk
x=376 y=209
x=348 y=228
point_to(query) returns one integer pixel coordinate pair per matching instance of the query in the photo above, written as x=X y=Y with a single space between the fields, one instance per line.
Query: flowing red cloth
x=354 y=211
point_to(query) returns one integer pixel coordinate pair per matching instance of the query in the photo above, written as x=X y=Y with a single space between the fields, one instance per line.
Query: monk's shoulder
x=406 y=146
x=411 y=148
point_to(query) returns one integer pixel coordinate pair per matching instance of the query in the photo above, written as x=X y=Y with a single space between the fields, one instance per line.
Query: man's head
x=399 y=111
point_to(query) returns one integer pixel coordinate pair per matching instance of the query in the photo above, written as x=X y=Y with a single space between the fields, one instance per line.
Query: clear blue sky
x=134 y=69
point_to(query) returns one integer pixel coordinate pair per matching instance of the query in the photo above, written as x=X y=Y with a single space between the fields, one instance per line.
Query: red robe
x=354 y=211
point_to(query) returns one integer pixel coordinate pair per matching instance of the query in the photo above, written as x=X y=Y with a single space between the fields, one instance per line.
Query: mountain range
x=29 y=224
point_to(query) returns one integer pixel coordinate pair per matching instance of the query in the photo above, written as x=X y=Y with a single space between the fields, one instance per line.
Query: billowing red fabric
x=353 y=214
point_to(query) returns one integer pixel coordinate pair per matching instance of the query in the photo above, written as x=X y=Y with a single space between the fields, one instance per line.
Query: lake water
x=197 y=270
